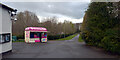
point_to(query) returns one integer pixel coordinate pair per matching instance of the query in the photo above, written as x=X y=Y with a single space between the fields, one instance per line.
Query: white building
x=7 y=14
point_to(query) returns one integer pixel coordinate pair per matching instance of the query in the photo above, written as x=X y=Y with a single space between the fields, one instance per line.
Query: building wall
x=0 y=27
x=78 y=26
x=0 y=20
x=6 y=27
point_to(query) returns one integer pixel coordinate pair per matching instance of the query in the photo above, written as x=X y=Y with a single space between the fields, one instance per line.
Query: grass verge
x=80 y=39
x=68 y=38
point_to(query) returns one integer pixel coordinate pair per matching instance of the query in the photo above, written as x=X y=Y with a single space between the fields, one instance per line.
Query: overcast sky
x=72 y=11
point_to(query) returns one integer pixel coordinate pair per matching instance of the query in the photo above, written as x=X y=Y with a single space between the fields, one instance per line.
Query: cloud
x=73 y=10
x=72 y=20
x=45 y=0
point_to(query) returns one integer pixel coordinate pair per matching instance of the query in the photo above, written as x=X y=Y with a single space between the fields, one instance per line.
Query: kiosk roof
x=39 y=29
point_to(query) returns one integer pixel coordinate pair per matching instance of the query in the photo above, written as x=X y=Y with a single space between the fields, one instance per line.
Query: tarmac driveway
x=56 y=49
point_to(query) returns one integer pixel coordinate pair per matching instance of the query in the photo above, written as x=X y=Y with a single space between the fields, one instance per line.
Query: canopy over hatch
x=39 y=29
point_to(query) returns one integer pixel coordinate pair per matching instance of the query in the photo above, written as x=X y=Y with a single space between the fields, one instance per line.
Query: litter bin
x=14 y=38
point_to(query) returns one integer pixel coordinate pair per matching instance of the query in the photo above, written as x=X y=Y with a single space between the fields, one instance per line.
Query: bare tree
x=25 y=19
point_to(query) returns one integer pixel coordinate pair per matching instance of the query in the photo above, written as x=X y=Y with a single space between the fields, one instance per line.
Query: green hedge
x=55 y=37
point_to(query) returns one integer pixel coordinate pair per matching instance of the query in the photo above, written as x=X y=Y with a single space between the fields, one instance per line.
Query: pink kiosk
x=35 y=34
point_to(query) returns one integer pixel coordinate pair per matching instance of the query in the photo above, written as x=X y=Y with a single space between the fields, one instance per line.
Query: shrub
x=55 y=37
x=20 y=37
x=111 y=42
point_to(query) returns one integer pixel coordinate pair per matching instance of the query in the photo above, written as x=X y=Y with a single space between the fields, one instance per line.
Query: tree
x=101 y=26
x=56 y=28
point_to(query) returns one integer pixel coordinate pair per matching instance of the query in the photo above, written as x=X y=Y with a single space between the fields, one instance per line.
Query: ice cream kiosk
x=35 y=34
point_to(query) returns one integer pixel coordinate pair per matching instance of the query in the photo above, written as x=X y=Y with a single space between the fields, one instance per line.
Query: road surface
x=56 y=49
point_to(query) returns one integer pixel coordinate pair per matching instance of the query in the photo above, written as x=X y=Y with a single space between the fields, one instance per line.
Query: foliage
x=111 y=42
x=101 y=26
x=80 y=39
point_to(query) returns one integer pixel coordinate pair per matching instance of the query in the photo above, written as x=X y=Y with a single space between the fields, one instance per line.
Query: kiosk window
x=31 y=35
x=4 y=38
x=44 y=35
x=34 y=35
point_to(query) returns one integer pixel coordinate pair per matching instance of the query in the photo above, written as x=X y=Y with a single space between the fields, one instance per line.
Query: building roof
x=6 y=7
